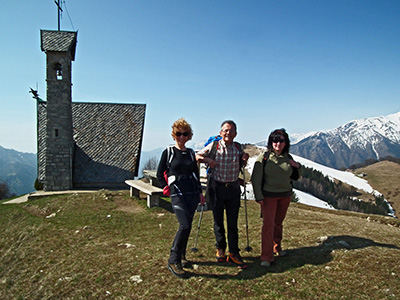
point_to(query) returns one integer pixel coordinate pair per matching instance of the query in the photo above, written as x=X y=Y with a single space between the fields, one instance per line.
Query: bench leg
x=134 y=192
x=153 y=201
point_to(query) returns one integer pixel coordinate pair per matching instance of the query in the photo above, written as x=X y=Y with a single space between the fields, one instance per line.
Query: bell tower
x=59 y=47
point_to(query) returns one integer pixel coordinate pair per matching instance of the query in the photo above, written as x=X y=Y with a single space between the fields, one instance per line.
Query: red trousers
x=273 y=211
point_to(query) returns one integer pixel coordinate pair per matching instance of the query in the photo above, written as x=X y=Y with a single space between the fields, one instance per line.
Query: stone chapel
x=82 y=145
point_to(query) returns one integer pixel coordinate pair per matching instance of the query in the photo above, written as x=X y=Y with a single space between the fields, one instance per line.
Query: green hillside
x=108 y=246
x=384 y=176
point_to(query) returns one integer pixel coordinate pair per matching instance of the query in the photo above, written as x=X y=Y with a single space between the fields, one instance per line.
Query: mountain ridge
x=18 y=170
x=353 y=142
x=346 y=145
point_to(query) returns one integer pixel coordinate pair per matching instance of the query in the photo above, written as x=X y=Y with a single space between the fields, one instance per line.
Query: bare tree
x=151 y=164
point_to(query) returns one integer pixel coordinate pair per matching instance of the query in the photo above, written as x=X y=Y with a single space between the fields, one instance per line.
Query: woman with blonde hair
x=178 y=164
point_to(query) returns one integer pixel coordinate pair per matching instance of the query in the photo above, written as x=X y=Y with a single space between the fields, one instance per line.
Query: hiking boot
x=237 y=260
x=176 y=270
x=281 y=253
x=185 y=263
x=265 y=264
x=220 y=256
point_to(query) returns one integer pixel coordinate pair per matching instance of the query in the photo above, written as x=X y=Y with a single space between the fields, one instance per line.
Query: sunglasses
x=278 y=139
x=182 y=133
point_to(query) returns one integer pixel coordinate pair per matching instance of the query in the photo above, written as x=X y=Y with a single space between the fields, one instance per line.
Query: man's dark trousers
x=226 y=197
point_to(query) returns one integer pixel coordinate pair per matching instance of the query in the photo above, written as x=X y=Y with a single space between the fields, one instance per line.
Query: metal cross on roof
x=59 y=10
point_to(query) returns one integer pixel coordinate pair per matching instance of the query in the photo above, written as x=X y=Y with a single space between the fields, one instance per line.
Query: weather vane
x=35 y=95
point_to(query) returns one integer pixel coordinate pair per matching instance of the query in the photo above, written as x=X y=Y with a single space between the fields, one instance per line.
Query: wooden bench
x=153 y=192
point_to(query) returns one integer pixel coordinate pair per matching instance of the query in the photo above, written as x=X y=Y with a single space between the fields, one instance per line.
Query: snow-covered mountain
x=294 y=138
x=353 y=142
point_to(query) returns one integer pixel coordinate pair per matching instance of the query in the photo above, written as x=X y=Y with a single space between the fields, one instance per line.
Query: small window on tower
x=58 y=69
x=55 y=132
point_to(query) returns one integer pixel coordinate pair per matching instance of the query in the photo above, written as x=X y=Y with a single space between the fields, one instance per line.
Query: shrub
x=38 y=185
x=4 y=191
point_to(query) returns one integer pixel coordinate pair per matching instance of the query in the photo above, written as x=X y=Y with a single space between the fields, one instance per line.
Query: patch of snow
x=304 y=198
x=344 y=176
x=310 y=200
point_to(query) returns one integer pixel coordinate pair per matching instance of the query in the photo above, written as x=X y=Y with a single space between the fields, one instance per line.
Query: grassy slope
x=384 y=176
x=94 y=244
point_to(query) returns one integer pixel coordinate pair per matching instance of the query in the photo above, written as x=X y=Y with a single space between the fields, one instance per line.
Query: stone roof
x=59 y=41
x=41 y=139
x=108 y=139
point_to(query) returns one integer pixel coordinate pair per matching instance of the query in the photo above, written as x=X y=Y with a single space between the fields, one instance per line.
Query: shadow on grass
x=321 y=254
x=165 y=203
x=296 y=258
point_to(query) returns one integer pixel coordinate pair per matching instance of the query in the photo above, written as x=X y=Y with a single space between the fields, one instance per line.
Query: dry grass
x=93 y=246
x=384 y=176
x=253 y=150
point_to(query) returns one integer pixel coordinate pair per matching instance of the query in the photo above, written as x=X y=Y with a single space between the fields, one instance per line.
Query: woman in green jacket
x=271 y=179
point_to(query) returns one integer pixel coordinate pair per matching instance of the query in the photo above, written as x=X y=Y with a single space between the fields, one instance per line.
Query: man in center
x=225 y=158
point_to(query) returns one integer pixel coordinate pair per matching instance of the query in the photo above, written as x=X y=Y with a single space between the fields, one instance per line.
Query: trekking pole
x=194 y=249
x=248 y=248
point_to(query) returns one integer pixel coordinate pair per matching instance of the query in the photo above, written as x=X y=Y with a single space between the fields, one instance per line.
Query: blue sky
x=302 y=65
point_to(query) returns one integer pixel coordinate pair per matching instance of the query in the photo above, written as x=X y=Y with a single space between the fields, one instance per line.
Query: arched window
x=58 y=69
